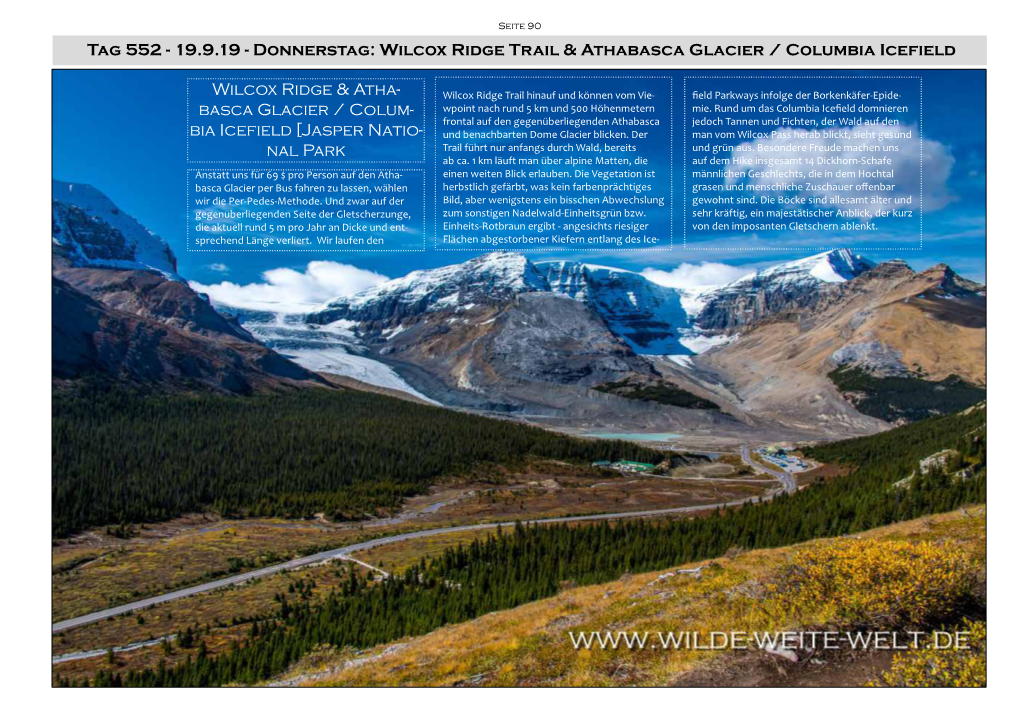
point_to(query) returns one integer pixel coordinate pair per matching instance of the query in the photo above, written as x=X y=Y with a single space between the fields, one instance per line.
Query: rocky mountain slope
x=888 y=322
x=154 y=296
x=491 y=333
x=121 y=310
x=92 y=340
x=760 y=294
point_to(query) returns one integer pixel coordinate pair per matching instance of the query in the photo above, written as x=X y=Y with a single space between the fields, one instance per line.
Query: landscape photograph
x=707 y=466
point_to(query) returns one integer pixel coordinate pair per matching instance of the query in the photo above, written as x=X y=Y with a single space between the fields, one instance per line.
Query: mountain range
x=500 y=332
x=652 y=319
x=566 y=343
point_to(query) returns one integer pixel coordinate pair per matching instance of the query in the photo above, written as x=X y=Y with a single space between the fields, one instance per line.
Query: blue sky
x=124 y=133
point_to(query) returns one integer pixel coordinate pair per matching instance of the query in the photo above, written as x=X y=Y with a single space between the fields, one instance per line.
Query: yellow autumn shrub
x=884 y=584
x=930 y=667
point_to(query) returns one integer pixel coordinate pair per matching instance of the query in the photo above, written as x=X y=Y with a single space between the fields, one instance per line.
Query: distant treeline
x=122 y=456
x=507 y=570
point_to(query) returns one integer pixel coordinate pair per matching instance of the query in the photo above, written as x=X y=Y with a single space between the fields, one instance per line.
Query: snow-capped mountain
x=109 y=256
x=887 y=321
x=121 y=310
x=486 y=279
x=759 y=294
x=504 y=333
x=481 y=331
x=659 y=320
x=90 y=231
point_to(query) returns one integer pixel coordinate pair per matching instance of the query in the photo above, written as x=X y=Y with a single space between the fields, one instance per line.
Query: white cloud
x=904 y=163
x=694 y=275
x=293 y=291
x=218 y=267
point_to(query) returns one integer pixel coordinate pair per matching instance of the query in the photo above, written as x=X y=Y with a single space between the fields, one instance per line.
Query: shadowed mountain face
x=121 y=311
x=92 y=340
x=154 y=296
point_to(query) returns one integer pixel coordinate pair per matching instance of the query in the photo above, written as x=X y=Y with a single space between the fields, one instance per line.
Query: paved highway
x=354 y=548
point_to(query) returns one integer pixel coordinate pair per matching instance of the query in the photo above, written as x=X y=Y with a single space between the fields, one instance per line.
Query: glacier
x=333 y=348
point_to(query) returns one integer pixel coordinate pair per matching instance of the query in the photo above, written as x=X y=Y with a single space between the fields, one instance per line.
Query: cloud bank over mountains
x=287 y=290
x=696 y=275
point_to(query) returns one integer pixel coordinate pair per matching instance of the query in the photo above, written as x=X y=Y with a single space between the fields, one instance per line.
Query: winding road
x=789 y=486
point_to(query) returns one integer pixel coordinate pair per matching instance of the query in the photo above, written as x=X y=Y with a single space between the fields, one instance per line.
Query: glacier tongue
x=331 y=348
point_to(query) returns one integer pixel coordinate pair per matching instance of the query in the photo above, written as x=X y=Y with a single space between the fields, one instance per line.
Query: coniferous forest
x=513 y=568
x=908 y=398
x=125 y=456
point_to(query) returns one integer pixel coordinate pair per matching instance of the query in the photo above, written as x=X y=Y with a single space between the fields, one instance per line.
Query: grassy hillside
x=122 y=456
x=841 y=585
x=536 y=562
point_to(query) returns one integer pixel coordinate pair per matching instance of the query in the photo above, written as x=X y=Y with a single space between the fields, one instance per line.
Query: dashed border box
x=819 y=249
x=598 y=249
x=187 y=127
